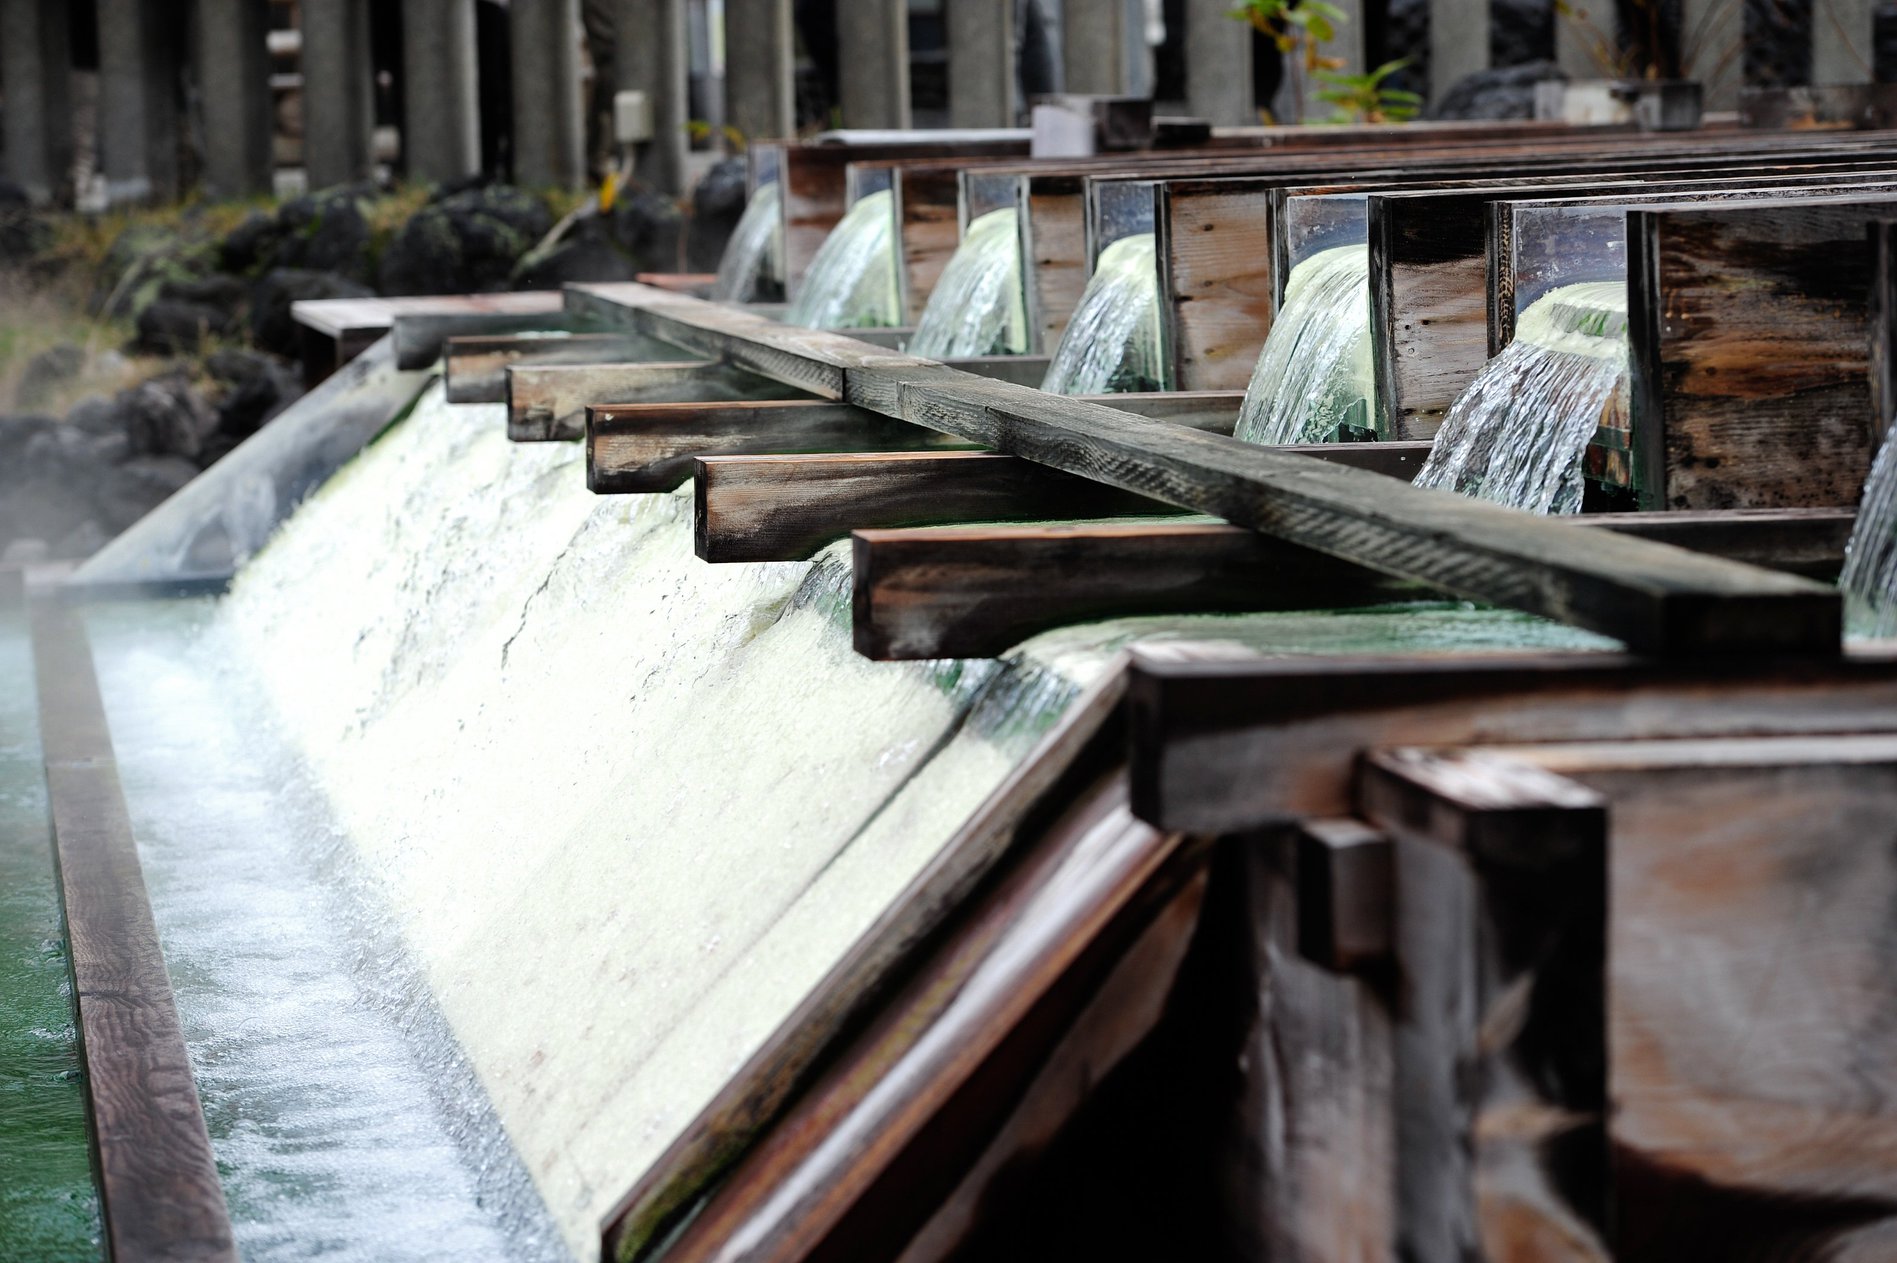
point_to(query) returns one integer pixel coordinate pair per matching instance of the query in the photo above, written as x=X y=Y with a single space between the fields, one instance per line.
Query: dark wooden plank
x=159 y=1192
x=928 y=223
x=475 y=368
x=1244 y=741
x=786 y=507
x=1053 y=231
x=976 y=592
x=1500 y=936
x=1345 y=894
x=1222 y=293
x=547 y=403
x=1802 y=541
x=1067 y=762
x=635 y=448
x=1750 y=341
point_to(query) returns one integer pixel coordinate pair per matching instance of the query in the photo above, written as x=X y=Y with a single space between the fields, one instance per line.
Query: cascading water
x=977 y=306
x=752 y=268
x=851 y=283
x=1112 y=343
x=1313 y=382
x=1869 y=579
x=1518 y=435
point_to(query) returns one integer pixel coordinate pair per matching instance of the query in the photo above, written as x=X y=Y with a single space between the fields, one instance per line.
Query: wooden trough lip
x=1655 y=598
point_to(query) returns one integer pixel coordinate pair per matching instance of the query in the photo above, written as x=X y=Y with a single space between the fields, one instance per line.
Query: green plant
x=1299 y=28
x=1366 y=98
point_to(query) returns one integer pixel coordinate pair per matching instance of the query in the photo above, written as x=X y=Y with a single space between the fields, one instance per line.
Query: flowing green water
x=1112 y=344
x=49 y=1209
x=977 y=307
x=851 y=283
x=1313 y=382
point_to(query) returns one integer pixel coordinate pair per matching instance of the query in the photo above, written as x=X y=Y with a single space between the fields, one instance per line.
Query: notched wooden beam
x=548 y=403
x=1345 y=894
x=476 y=367
x=632 y=448
x=976 y=592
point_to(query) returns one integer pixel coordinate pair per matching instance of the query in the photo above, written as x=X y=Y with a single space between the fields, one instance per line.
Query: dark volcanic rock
x=170 y=326
x=22 y=234
x=251 y=246
x=327 y=231
x=16 y=432
x=167 y=416
x=271 y=325
x=49 y=370
x=717 y=203
x=96 y=415
x=467 y=242
x=586 y=253
x=1504 y=93
x=650 y=229
x=256 y=388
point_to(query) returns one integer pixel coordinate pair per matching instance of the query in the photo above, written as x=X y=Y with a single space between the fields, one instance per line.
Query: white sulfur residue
x=1314 y=381
x=851 y=283
x=977 y=306
x=752 y=266
x=1519 y=434
x=1112 y=343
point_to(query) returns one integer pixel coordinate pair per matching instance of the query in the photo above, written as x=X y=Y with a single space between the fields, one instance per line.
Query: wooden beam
x=976 y=592
x=421 y=325
x=1500 y=936
x=633 y=448
x=476 y=366
x=159 y=1193
x=1346 y=894
x=786 y=507
x=1245 y=741
x=1657 y=599
x=1808 y=542
x=547 y=403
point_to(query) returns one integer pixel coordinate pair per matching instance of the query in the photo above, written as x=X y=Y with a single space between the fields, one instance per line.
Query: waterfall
x=1112 y=343
x=977 y=306
x=1870 y=559
x=752 y=269
x=1519 y=433
x=1314 y=382
x=851 y=283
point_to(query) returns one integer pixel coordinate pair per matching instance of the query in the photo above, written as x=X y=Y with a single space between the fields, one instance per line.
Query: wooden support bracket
x=1345 y=878
x=476 y=367
x=548 y=403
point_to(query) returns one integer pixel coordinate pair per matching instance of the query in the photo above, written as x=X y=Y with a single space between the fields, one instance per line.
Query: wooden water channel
x=1502 y=956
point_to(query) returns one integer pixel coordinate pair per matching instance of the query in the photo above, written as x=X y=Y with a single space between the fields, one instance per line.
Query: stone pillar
x=873 y=62
x=981 y=63
x=338 y=92
x=1098 y=37
x=234 y=94
x=650 y=54
x=1218 y=65
x=1841 y=41
x=138 y=102
x=549 y=124
x=758 y=49
x=1458 y=42
x=1714 y=50
x=36 y=76
x=441 y=106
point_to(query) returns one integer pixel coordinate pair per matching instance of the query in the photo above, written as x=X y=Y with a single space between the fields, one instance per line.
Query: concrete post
x=36 y=75
x=1712 y=39
x=138 y=103
x=650 y=55
x=758 y=49
x=1218 y=65
x=981 y=63
x=234 y=92
x=549 y=123
x=1458 y=42
x=338 y=92
x=441 y=106
x=1098 y=38
x=1841 y=41
x=873 y=62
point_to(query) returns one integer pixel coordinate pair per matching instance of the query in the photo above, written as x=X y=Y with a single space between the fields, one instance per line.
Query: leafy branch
x=1366 y=98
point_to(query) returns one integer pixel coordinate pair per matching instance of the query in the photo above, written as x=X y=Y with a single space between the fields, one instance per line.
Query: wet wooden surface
x=547 y=403
x=475 y=368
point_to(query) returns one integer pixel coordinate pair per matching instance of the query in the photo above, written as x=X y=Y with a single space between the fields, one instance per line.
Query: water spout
x=1112 y=343
x=1870 y=559
x=1313 y=382
x=752 y=269
x=851 y=283
x=977 y=306
x=1519 y=434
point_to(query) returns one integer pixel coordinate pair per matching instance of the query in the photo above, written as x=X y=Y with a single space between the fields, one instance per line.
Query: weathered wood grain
x=547 y=403
x=636 y=448
x=1500 y=1043
x=1053 y=228
x=475 y=368
x=1345 y=894
x=928 y=226
x=1750 y=340
x=160 y=1197
x=1222 y=292
x=1245 y=741
x=786 y=507
x=976 y=592
x=1801 y=541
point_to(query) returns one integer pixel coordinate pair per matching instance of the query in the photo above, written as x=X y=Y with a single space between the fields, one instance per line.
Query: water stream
x=1112 y=343
x=851 y=283
x=1314 y=382
x=1869 y=579
x=1519 y=434
x=977 y=306
x=752 y=268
